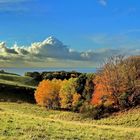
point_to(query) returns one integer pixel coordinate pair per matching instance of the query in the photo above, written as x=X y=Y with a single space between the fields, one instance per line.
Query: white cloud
x=51 y=47
x=103 y=2
x=52 y=52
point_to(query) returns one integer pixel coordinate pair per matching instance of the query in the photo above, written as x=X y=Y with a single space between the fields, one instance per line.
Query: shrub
x=90 y=111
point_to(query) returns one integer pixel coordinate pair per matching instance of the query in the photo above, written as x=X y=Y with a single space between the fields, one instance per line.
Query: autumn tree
x=47 y=93
x=69 y=98
x=118 y=76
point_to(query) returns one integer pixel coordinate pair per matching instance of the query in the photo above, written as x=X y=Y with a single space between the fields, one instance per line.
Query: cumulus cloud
x=52 y=52
x=5 y=50
x=51 y=47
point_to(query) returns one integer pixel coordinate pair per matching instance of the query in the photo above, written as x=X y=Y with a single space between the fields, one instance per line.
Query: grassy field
x=30 y=122
x=11 y=79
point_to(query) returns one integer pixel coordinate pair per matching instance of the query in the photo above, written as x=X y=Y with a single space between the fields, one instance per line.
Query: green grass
x=11 y=79
x=30 y=122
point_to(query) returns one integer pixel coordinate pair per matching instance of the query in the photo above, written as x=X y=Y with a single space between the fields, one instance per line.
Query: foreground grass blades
x=30 y=122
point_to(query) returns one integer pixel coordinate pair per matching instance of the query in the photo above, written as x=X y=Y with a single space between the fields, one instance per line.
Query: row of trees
x=116 y=86
x=39 y=76
x=65 y=94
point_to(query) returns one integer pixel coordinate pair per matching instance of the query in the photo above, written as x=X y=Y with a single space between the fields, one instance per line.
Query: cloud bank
x=53 y=53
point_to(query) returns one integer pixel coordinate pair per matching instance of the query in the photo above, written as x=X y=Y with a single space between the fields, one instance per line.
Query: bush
x=94 y=112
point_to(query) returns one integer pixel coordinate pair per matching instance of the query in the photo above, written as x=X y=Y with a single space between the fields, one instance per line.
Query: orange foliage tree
x=47 y=93
x=117 y=77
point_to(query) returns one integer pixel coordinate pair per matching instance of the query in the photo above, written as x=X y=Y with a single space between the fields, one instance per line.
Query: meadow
x=30 y=122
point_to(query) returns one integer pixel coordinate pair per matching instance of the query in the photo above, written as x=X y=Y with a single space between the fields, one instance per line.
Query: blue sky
x=81 y=24
x=85 y=32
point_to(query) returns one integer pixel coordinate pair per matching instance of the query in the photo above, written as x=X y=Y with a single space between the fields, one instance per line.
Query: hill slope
x=25 y=121
x=16 y=88
x=11 y=79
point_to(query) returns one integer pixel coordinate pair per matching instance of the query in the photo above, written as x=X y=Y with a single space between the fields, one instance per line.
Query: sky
x=85 y=26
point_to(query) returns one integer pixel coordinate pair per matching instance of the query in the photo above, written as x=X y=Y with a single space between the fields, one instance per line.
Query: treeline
x=116 y=86
x=39 y=76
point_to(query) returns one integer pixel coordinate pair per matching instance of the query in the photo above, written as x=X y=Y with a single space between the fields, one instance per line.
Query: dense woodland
x=115 y=87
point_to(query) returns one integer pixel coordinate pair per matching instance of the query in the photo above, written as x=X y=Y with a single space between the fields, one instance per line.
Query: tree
x=47 y=93
x=88 y=87
x=76 y=102
x=80 y=83
x=35 y=75
x=68 y=95
x=118 y=76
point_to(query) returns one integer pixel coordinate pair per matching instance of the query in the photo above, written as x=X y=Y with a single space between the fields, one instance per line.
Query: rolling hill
x=26 y=121
x=16 y=88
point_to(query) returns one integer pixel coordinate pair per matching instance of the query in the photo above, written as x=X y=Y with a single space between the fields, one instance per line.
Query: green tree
x=67 y=94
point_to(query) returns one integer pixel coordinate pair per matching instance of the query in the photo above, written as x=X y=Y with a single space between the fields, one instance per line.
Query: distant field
x=16 y=88
x=30 y=122
x=11 y=79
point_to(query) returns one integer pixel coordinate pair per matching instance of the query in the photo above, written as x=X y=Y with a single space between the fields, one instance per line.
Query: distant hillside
x=4 y=72
x=16 y=88
x=13 y=79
